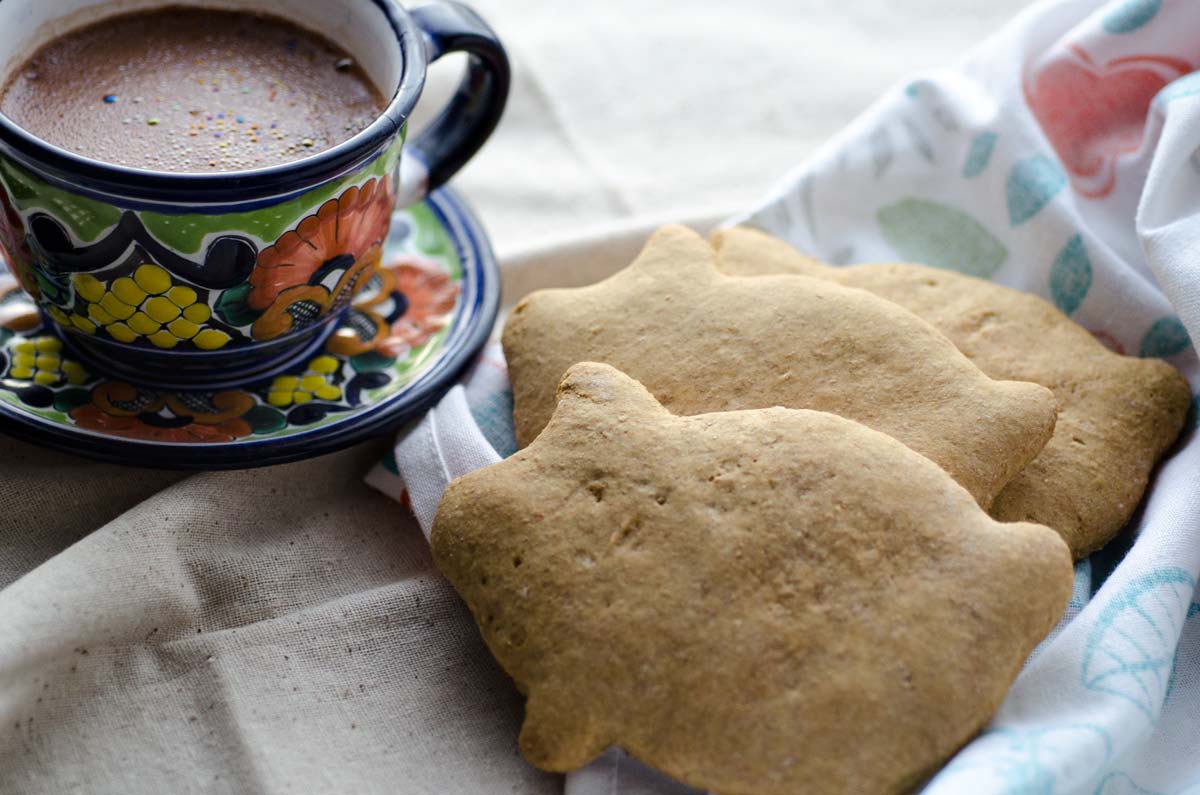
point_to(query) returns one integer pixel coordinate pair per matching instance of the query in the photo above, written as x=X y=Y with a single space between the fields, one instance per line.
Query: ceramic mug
x=179 y=280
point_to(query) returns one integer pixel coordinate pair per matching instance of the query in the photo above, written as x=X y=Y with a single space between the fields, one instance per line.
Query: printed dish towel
x=1061 y=157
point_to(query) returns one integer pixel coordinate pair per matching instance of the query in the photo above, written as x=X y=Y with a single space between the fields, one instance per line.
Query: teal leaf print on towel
x=880 y=144
x=1130 y=15
x=1027 y=761
x=919 y=139
x=979 y=154
x=1121 y=784
x=1071 y=276
x=940 y=236
x=1031 y=185
x=1131 y=651
x=1166 y=337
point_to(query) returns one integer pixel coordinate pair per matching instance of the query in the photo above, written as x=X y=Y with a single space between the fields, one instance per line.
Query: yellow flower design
x=40 y=360
x=287 y=390
x=146 y=305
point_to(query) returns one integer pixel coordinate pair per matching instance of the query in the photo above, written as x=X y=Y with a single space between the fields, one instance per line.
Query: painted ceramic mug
x=177 y=280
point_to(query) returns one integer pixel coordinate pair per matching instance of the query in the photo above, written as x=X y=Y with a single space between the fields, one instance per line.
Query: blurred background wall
x=641 y=110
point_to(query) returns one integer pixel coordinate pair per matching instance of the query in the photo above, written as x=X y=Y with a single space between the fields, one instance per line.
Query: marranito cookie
x=1117 y=414
x=755 y=602
x=701 y=341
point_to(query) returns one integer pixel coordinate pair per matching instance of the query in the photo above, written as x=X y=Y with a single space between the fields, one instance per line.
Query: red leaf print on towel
x=1093 y=114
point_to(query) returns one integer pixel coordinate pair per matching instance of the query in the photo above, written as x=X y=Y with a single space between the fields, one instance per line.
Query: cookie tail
x=1022 y=432
x=557 y=736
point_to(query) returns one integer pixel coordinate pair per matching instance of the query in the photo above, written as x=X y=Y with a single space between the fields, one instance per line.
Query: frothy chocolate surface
x=192 y=90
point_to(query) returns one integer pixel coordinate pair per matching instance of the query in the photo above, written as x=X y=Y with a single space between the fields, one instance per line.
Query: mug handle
x=469 y=118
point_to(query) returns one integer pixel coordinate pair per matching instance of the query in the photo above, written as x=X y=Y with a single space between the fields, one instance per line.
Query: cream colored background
x=283 y=630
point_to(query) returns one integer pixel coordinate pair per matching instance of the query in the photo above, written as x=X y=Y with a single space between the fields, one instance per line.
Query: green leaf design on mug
x=264 y=419
x=1166 y=337
x=186 y=233
x=371 y=362
x=944 y=237
x=88 y=220
x=233 y=309
x=1071 y=276
x=1031 y=185
x=70 y=399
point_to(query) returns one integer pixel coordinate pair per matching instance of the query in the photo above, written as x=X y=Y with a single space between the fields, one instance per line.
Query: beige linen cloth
x=283 y=629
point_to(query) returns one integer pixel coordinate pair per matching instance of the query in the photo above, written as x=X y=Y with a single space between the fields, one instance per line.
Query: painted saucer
x=409 y=335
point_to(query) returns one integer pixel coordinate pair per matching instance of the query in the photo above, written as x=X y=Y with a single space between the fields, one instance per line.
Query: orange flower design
x=124 y=410
x=296 y=307
x=94 y=419
x=431 y=296
x=14 y=247
x=344 y=232
x=427 y=298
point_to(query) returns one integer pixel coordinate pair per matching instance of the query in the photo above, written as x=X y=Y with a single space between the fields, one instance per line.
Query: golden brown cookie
x=756 y=602
x=1117 y=414
x=701 y=341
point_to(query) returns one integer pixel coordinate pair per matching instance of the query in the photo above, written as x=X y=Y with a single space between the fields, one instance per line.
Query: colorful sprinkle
x=110 y=98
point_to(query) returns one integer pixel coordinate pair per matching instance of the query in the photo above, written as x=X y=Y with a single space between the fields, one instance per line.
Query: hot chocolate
x=190 y=90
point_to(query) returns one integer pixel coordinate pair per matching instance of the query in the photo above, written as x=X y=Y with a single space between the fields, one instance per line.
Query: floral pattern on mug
x=126 y=410
x=428 y=295
x=431 y=299
x=344 y=234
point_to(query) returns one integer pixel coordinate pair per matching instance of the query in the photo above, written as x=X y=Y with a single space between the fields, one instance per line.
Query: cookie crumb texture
x=754 y=602
x=1118 y=415
x=701 y=341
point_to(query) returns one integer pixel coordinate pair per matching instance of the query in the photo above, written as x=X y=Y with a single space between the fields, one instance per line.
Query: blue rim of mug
x=469 y=333
x=144 y=189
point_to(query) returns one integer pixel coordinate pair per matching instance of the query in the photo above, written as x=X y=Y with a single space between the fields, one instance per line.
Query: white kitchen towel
x=1060 y=157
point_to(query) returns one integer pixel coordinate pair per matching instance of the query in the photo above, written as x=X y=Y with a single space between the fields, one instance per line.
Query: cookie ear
x=590 y=384
x=744 y=251
x=676 y=252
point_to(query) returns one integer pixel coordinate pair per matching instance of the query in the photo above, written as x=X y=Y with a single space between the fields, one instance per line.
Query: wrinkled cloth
x=1060 y=157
